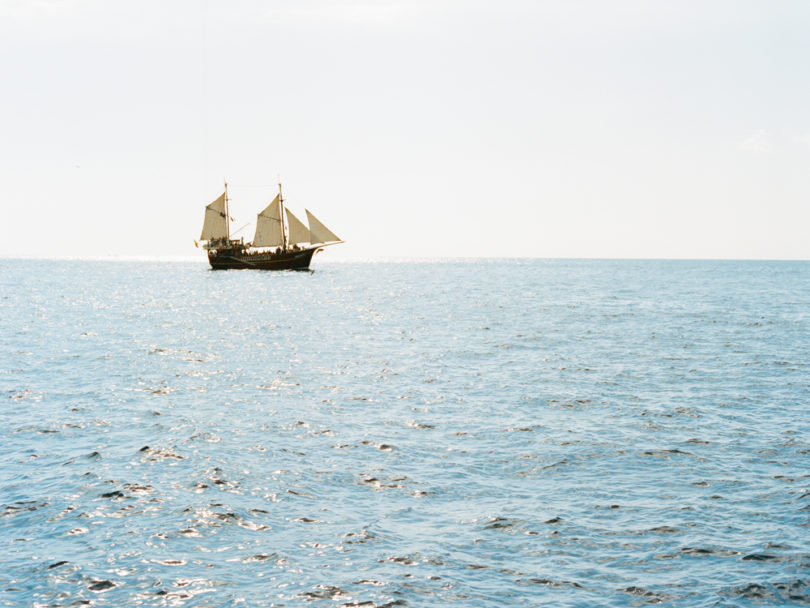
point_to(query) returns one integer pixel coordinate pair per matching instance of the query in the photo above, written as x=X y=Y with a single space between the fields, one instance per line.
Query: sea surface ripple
x=425 y=433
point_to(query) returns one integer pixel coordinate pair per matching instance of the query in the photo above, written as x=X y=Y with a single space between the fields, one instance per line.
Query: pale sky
x=535 y=128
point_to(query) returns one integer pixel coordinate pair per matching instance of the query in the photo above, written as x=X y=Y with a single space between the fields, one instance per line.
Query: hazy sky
x=410 y=128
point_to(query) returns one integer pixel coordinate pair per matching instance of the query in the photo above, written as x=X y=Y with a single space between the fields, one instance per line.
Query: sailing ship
x=279 y=243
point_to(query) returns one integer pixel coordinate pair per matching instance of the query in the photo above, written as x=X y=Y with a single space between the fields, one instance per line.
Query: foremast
x=216 y=231
x=285 y=241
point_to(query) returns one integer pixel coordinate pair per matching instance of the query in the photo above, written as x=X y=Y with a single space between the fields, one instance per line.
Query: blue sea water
x=425 y=433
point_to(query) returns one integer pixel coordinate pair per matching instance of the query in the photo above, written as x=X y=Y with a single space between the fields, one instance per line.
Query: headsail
x=320 y=233
x=268 y=226
x=215 y=225
x=299 y=233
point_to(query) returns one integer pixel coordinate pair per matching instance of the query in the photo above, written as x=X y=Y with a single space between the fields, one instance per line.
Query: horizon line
x=390 y=259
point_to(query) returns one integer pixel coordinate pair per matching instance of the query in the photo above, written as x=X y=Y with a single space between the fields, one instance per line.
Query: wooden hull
x=287 y=260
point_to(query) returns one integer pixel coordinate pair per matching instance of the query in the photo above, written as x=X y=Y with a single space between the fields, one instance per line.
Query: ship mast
x=227 y=214
x=281 y=214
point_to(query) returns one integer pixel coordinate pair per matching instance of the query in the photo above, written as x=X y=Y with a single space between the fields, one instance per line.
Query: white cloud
x=350 y=11
x=760 y=142
x=802 y=138
x=764 y=141
x=38 y=9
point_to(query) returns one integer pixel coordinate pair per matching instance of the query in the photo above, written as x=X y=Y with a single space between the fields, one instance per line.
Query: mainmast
x=227 y=214
x=281 y=214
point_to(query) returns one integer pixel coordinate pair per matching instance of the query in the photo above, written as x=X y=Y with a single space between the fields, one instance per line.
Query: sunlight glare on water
x=446 y=432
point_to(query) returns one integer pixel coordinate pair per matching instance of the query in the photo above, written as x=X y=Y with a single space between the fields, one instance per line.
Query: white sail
x=215 y=225
x=299 y=233
x=320 y=233
x=268 y=226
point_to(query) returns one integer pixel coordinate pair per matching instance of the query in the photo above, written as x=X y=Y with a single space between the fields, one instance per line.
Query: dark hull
x=288 y=260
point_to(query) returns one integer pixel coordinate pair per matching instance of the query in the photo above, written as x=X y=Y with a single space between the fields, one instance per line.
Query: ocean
x=483 y=433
